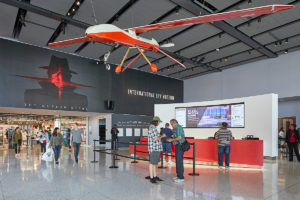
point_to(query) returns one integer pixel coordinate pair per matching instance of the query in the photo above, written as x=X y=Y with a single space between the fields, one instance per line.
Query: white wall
x=260 y=119
x=278 y=75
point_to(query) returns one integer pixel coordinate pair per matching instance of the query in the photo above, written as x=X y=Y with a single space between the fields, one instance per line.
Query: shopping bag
x=48 y=155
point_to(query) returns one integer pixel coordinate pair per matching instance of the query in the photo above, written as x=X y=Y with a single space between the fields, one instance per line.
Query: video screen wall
x=211 y=116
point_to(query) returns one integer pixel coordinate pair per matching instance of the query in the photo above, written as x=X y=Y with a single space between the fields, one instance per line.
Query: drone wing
x=71 y=41
x=212 y=18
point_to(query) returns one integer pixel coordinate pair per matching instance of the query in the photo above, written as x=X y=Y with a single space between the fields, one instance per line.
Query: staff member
x=114 y=137
x=292 y=139
x=178 y=139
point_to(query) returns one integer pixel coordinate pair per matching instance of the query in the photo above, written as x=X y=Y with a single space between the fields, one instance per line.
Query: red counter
x=248 y=152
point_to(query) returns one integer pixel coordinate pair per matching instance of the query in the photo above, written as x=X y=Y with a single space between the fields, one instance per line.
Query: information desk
x=245 y=152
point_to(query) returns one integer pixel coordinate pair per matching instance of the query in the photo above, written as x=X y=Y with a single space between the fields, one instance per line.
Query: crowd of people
x=53 y=140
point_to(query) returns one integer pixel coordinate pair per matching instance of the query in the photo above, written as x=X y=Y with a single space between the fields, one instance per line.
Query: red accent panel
x=212 y=18
x=249 y=152
x=71 y=41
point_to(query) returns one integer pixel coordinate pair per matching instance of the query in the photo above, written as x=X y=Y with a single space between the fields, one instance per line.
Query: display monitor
x=211 y=116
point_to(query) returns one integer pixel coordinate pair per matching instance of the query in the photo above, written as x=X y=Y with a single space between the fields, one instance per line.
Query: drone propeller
x=167 y=45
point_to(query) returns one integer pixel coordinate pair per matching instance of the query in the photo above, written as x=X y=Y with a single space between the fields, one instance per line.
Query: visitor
x=17 y=141
x=76 y=137
x=178 y=139
x=154 y=148
x=114 y=137
x=281 y=137
x=56 y=143
x=224 y=136
x=292 y=139
x=167 y=147
x=42 y=135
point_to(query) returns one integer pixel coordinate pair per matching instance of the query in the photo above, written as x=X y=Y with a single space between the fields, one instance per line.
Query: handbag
x=185 y=145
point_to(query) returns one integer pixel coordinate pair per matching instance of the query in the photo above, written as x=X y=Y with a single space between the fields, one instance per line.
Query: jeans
x=293 y=147
x=56 y=150
x=43 y=147
x=179 y=161
x=76 y=148
x=114 y=143
x=18 y=146
x=221 y=150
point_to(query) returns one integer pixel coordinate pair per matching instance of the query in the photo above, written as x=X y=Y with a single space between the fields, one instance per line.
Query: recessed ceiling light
x=73 y=9
x=217 y=49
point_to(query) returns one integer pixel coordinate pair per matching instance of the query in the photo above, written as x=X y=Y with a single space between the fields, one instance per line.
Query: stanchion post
x=94 y=161
x=194 y=162
x=114 y=160
x=116 y=149
x=134 y=155
x=162 y=161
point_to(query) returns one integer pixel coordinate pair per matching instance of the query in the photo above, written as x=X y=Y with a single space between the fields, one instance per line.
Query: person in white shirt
x=43 y=139
x=281 y=137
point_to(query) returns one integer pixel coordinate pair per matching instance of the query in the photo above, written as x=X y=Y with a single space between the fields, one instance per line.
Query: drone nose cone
x=153 y=68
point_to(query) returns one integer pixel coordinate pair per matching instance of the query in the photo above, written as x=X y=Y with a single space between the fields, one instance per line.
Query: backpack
x=185 y=145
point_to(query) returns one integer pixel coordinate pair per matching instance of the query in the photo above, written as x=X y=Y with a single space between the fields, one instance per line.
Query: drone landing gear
x=106 y=56
x=119 y=67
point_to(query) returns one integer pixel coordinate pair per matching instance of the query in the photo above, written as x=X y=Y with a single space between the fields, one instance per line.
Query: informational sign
x=137 y=132
x=211 y=116
x=129 y=132
x=237 y=115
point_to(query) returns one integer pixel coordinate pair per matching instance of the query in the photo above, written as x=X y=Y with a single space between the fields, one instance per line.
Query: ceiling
x=203 y=48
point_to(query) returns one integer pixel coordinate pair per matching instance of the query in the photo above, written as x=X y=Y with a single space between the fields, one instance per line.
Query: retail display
x=112 y=35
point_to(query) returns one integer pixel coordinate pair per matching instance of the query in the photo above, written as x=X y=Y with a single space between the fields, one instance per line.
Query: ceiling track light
x=73 y=9
x=78 y=3
x=249 y=52
x=280 y=43
x=217 y=49
x=259 y=20
x=286 y=40
x=249 y=24
x=177 y=11
x=286 y=51
x=249 y=2
x=276 y=44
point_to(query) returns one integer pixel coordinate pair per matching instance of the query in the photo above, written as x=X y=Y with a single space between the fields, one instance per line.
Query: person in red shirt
x=292 y=139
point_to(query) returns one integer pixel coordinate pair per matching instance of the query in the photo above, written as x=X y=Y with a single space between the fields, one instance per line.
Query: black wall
x=34 y=77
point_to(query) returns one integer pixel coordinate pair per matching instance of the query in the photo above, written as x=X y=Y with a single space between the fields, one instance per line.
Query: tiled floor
x=30 y=178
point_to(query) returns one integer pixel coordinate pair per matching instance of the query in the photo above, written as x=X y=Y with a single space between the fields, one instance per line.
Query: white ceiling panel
x=291 y=43
x=279 y=34
x=226 y=51
x=37 y=24
x=58 y=6
x=193 y=35
x=8 y=16
x=272 y=21
x=144 y=12
x=95 y=50
x=163 y=34
x=254 y=4
x=208 y=45
x=104 y=10
x=237 y=58
x=220 y=5
x=70 y=32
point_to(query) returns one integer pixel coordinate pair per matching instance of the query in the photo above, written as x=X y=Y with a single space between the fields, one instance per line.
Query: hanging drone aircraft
x=112 y=35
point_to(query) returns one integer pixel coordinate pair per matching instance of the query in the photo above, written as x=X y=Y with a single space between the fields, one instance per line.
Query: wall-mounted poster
x=129 y=132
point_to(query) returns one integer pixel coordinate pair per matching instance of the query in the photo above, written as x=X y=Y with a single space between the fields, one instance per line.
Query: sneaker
x=227 y=167
x=153 y=181
x=179 y=180
x=174 y=178
x=157 y=179
x=220 y=167
x=16 y=155
x=170 y=162
x=147 y=177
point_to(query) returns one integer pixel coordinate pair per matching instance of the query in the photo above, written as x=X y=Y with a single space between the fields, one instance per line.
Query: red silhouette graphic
x=57 y=79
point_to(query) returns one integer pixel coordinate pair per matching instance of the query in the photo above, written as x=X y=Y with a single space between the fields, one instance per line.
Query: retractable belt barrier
x=115 y=154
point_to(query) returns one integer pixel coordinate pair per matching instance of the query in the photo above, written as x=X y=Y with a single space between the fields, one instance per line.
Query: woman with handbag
x=56 y=143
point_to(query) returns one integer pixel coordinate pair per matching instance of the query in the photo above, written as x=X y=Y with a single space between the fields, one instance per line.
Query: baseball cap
x=155 y=118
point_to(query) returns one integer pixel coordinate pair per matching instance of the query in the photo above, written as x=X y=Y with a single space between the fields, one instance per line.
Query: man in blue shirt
x=167 y=147
x=178 y=139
